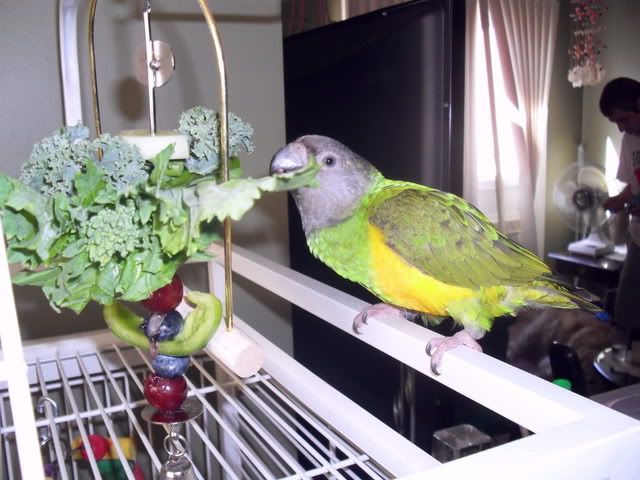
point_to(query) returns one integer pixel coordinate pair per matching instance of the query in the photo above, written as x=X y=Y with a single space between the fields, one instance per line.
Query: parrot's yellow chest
x=404 y=285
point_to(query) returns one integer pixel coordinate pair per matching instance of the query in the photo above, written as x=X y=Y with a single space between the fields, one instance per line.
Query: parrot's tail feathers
x=558 y=281
x=585 y=300
x=550 y=295
x=582 y=298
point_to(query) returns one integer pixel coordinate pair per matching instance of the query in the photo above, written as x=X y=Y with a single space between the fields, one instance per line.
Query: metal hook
x=40 y=405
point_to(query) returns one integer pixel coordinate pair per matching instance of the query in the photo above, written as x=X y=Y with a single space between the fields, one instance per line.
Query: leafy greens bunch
x=90 y=220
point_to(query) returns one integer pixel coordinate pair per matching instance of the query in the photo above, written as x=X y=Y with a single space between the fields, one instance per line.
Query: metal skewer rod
x=152 y=66
x=224 y=155
x=92 y=68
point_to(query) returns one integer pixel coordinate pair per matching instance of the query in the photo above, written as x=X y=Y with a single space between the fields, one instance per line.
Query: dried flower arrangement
x=586 y=44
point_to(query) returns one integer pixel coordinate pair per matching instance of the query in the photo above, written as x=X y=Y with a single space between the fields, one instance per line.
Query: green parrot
x=418 y=249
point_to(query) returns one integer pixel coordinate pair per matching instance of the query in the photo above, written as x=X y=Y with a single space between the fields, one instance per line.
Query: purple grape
x=170 y=326
x=151 y=324
x=168 y=366
x=160 y=327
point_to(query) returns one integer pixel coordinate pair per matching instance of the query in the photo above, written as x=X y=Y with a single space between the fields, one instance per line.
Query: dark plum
x=166 y=298
x=168 y=366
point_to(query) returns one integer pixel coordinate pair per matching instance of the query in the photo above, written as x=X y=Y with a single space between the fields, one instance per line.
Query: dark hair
x=620 y=93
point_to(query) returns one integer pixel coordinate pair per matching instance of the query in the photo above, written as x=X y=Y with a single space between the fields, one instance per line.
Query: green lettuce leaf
x=160 y=163
x=89 y=184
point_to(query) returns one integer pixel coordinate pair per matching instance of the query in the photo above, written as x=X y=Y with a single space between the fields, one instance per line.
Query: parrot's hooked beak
x=290 y=158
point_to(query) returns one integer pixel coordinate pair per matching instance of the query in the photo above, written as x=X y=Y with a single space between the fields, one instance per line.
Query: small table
x=599 y=275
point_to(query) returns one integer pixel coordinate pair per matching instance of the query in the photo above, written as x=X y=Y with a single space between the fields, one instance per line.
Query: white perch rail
x=264 y=424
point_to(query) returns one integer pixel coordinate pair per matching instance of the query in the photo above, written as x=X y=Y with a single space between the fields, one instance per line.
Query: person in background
x=620 y=103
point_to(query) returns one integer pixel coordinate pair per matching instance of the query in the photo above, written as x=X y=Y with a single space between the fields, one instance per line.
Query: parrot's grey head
x=344 y=177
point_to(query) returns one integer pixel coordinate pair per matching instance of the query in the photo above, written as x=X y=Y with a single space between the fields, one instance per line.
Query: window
x=508 y=122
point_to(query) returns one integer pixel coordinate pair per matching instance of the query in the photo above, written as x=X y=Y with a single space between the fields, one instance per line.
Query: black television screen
x=382 y=84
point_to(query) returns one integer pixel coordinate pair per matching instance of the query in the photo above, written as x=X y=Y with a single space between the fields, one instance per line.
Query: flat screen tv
x=388 y=84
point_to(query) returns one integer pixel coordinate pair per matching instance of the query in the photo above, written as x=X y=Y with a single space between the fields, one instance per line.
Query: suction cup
x=163 y=63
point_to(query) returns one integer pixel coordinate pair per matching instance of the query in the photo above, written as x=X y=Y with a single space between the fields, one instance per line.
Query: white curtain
x=518 y=37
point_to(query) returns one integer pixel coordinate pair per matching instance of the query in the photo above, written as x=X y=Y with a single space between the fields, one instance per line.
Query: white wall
x=31 y=108
x=564 y=131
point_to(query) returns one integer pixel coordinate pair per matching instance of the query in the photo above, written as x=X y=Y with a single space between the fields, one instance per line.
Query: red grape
x=165 y=394
x=166 y=298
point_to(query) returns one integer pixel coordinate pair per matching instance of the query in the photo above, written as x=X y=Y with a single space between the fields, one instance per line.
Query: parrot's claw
x=375 y=310
x=360 y=321
x=437 y=346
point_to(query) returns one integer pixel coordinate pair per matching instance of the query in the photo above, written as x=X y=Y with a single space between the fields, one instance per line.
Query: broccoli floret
x=55 y=161
x=115 y=231
x=240 y=134
x=202 y=126
x=121 y=162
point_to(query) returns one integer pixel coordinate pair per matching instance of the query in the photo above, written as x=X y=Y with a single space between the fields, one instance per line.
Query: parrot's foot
x=379 y=309
x=437 y=346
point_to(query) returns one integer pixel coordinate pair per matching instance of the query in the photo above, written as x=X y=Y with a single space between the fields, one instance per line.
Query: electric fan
x=578 y=194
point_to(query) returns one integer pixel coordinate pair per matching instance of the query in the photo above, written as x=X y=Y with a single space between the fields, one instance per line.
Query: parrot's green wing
x=448 y=238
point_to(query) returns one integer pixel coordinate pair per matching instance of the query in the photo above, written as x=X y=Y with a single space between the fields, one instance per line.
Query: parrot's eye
x=329 y=161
